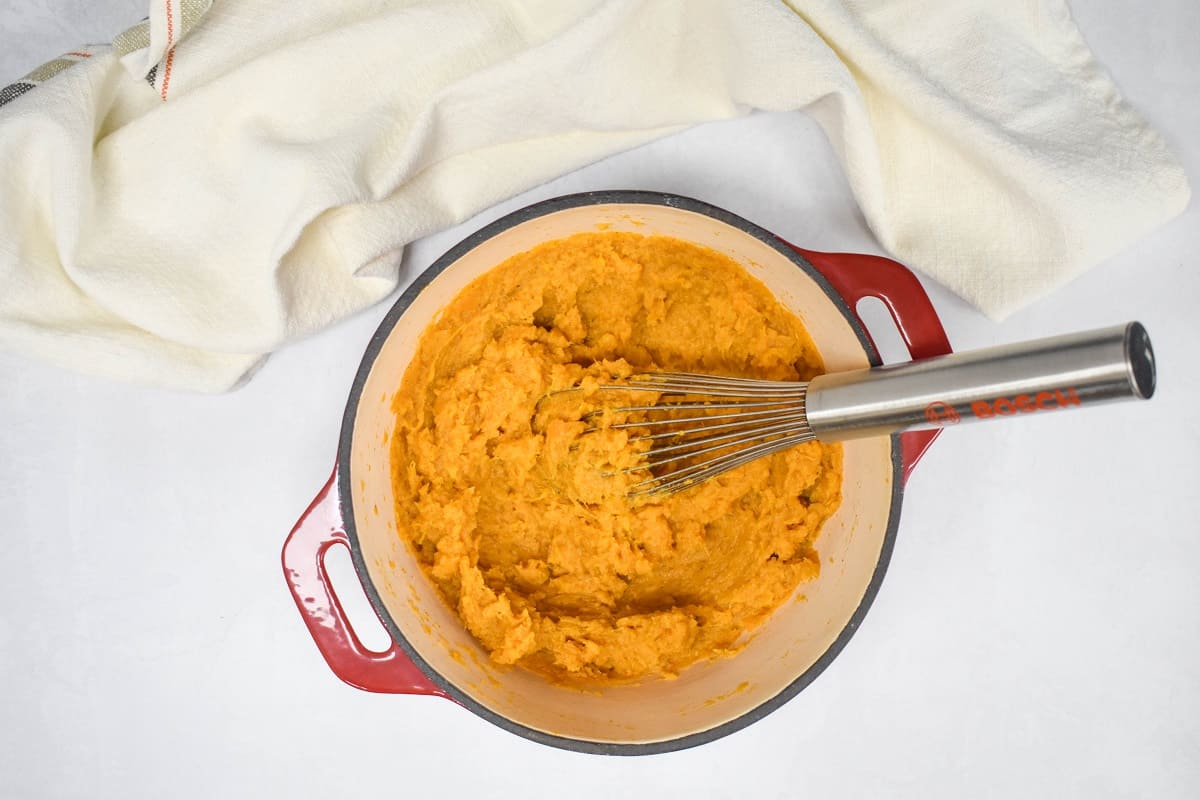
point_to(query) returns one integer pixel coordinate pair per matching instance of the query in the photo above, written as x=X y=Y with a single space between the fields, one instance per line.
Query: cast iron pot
x=432 y=653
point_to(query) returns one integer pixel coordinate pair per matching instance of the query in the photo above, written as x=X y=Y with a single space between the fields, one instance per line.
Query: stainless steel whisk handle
x=1079 y=369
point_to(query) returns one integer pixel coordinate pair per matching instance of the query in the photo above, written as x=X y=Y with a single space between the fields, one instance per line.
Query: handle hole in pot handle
x=880 y=323
x=348 y=589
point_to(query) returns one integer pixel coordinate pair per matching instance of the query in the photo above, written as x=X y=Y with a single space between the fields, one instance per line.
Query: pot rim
x=539 y=209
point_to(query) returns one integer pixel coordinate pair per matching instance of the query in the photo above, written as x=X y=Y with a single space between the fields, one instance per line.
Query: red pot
x=434 y=654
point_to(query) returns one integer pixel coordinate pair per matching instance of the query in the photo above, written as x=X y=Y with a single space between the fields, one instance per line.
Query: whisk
x=700 y=426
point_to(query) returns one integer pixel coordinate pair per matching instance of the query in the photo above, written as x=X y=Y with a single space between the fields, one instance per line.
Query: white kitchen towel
x=224 y=179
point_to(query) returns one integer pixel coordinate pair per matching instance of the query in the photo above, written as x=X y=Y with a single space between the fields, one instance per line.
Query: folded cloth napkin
x=227 y=177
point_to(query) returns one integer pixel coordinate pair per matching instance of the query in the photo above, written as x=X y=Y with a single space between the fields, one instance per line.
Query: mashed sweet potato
x=509 y=506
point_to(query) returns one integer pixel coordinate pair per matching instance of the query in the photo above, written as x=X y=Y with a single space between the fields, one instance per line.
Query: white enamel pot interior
x=707 y=700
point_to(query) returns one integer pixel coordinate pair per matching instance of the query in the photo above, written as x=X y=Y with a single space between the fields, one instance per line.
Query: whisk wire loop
x=700 y=426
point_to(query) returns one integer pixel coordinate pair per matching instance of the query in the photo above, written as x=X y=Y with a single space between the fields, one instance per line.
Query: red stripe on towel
x=170 y=49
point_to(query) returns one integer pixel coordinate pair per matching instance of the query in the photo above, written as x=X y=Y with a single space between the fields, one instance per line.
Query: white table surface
x=1038 y=633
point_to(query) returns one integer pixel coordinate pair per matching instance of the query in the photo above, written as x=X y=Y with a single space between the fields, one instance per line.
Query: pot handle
x=855 y=276
x=320 y=528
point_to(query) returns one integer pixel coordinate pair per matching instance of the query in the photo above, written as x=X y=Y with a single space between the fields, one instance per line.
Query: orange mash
x=510 y=507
